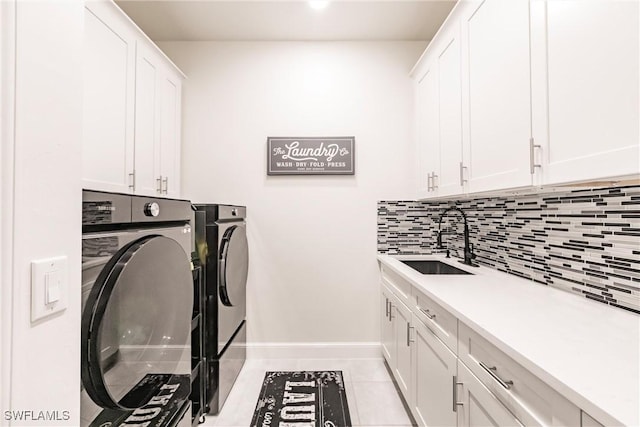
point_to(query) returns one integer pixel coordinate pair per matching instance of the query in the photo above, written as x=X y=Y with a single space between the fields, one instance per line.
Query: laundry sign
x=310 y=156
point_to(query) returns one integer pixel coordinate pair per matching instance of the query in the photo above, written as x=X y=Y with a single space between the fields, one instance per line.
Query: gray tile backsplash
x=584 y=241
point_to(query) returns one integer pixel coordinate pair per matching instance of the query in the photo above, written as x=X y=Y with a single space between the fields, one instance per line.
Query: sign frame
x=344 y=144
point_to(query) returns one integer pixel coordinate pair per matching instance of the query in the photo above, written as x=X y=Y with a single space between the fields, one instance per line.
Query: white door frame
x=7 y=143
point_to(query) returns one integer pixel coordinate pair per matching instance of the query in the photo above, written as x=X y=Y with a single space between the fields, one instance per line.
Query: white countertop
x=585 y=350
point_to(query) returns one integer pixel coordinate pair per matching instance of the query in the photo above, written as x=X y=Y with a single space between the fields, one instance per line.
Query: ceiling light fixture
x=318 y=4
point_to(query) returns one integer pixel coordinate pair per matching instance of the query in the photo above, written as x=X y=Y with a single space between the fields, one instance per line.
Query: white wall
x=313 y=271
x=43 y=213
x=7 y=86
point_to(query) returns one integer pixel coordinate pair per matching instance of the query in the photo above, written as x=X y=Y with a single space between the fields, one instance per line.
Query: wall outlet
x=49 y=281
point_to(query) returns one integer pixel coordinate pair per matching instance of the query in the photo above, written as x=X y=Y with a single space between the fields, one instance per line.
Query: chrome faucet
x=469 y=256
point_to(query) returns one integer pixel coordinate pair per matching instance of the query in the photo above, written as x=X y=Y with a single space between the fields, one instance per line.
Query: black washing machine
x=137 y=300
x=221 y=245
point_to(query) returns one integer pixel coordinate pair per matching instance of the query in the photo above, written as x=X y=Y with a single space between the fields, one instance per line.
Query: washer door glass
x=136 y=324
x=234 y=266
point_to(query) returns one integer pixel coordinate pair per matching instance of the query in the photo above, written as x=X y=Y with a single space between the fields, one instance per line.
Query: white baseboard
x=314 y=350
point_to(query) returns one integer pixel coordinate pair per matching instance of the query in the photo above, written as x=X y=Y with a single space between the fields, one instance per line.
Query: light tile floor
x=371 y=394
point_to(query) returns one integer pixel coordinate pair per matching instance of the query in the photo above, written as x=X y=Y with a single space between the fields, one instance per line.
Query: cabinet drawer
x=400 y=287
x=531 y=400
x=477 y=406
x=442 y=323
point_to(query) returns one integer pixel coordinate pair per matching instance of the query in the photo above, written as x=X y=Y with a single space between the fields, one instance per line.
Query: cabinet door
x=479 y=407
x=402 y=325
x=428 y=131
x=147 y=149
x=434 y=370
x=109 y=65
x=448 y=180
x=593 y=89
x=170 y=101
x=387 y=338
x=497 y=94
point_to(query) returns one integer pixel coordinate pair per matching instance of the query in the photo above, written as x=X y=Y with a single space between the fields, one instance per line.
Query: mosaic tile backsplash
x=584 y=241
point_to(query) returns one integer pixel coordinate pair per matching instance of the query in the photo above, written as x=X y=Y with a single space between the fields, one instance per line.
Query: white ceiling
x=200 y=20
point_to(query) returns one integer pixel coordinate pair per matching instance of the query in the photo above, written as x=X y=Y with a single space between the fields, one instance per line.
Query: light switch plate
x=49 y=281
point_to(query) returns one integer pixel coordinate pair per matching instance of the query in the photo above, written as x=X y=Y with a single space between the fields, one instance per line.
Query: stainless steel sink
x=434 y=267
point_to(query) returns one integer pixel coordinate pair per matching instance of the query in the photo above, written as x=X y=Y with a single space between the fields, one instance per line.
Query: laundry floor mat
x=167 y=398
x=302 y=399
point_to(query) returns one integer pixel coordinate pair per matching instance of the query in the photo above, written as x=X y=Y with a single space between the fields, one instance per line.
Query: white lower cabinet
x=387 y=336
x=478 y=406
x=449 y=375
x=531 y=400
x=433 y=372
x=402 y=371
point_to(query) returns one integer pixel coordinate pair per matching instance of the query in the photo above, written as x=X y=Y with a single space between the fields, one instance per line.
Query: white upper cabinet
x=157 y=124
x=497 y=89
x=539 y=93
x=170 y=87
x=147 y=150
x=428 y=128
x=109 y=73
x=449 y=179
x=587 y=54
x=132 y=108
x=439 y=118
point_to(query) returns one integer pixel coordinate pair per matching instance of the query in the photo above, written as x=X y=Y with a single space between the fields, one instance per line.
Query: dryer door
x=233 y=266
x=140 y=310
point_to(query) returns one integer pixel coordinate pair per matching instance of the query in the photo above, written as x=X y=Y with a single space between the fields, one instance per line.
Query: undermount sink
x=434 y=267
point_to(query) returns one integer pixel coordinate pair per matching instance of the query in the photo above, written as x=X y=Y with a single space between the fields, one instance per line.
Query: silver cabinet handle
x=386 y=306
x=409 y=340
x=532 y=154
x=166 y=185
x=429 y=187
x=462 y=168
x=132 y=180
x=455 y=394
x=435 y=187
x=428 y=314
x=159 y=184
x=492 y=371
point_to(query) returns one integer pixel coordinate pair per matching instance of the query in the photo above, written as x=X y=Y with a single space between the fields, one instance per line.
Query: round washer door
x=234 y=266
x=139 y=307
